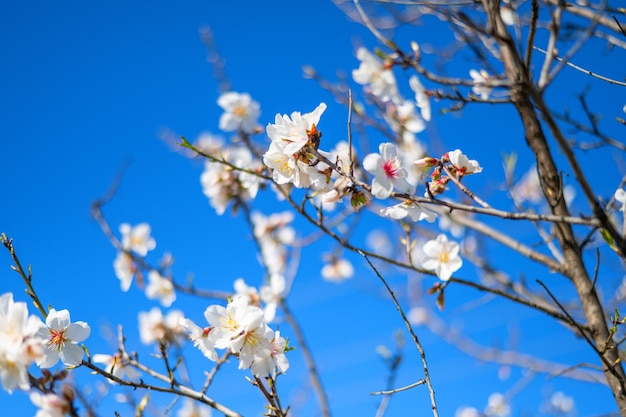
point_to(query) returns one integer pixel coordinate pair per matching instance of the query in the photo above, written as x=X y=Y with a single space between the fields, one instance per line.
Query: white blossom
x=240 y=112
x=462 y=164
x=62 y=338
x=265 y=366
x=50 y=405
x=337 y=270
x=442 y=257
x=375 y=73
x=191 y=408
x=125 y=269
x=290 y=134
x=415 y=211
x=19 y=344
x=117 y=366
x=160 y=288
x=154 y=327
x=421 y=97
x=497 y=406
x=137 y=238
x=620 y=197
x=481 y=83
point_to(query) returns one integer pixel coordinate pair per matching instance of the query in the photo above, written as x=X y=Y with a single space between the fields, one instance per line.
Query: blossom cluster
x=240 y=328
x=26 y=340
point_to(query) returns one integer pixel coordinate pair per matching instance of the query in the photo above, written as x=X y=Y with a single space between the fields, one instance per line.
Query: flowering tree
x=294 y=187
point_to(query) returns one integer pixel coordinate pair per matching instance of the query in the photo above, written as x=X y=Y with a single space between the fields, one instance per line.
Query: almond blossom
x=50 y=405
x=240 y=112
x=337 y=270
x=481 y=83
x=155 y=327
x=462 y=164
x=191 y=408
x=202 y=338
x=620 y=197
x=125 y=269
x=62 y=338
x=19 y=344
x=221 y=183
x=160 y=288
x=442 y=257
x=290 y=134
x=410 y=208
x=377 y=74
x=137 y=239
x=388 y=172
x=404 y=120
x=117 y=366
x=262 y=367
x=421 y=97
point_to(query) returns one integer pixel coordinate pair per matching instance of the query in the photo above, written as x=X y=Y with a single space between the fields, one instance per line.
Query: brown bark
x=522 y=93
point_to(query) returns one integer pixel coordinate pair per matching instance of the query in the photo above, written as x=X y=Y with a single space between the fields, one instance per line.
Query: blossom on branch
x=290 y=134
x=422 y=99
x=240 y=112
x=337 y=270
x=50 y=405
x=442 y=257
x=154 y=327
x=377 y=74
x=388 y=172
x=125 y=269
x=620 y=197
x=409 y=208
x=19 y=344
x=462 y=164
x=137 y=239
x=481 y=83
x=62 y=338
x=117 y=366
x=161 y=288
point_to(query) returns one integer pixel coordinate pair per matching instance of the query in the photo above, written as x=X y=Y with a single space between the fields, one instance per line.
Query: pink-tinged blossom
x=62 y=338
x=442 y=257
x=421 y=97
x=137 y=239
x=19 y=344
x=377 y=74
x=481 y=83
x=125 y=269
x=388 y=172
x=262 y=367
x=117 y=366
x=50 y=405
x=154 y=327
x=160 y=288
x=462 y=164
x=414 y=210
x=290 y=134
x=240 y=112
x=337 y=270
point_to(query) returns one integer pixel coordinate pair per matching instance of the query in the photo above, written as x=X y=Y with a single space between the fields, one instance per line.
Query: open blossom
x=161 y=288
x=62 y=338
x=421 y=97
x=337 y=270
x=441 y=256
x=497 y=406
x=409 y=208
x=221 y=183
x=154 y=327
x=202 y=337
x=462 y=164
x=481 y=83
x=528 y=188
x=290 y=134
x=19 y=344
x=377 y=74
x=137 y=238
x=404 y=120
x=286 y=168
x=125 y=269
x=262 y=367
x=240 y=112
x=116 y=365
x=388 y=172
x=50 y=405
x=271 y=294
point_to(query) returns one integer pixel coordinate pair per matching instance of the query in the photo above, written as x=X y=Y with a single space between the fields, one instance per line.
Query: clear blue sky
x=88 y=86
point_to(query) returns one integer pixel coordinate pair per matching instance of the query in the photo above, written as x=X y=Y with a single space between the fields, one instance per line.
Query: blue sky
x=89 y=87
